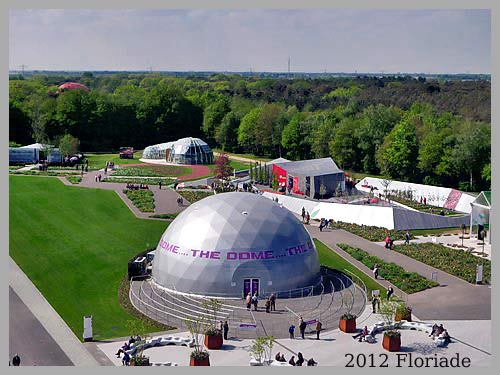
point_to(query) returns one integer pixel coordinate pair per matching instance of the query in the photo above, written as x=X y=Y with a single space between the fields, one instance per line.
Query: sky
x=316 y=40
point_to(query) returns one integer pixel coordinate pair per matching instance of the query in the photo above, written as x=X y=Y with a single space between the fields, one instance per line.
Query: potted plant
x=392 y=337
x=261 y=350
x=213 y=335
x=403 y=312
x=199 y=356
x=138 y=330
x=347 y=323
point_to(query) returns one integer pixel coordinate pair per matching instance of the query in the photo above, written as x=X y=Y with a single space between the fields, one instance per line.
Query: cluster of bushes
x=165 y=216
x=408 y=282
x=421 y=207
x=194 y=196
x=371 y=233
x=455 y=262
x=142 y=199
x=74 y=179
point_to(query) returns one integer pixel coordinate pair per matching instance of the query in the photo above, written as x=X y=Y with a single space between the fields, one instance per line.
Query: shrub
x=348 y=316
x=142 y=199
x=74 y=179
x=371 y=233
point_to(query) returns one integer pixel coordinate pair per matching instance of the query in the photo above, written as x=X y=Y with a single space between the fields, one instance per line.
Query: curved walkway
x=453 y=299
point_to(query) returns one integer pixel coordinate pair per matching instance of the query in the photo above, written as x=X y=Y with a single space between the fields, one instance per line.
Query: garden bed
x=152 y=171
x=142 y=199
x=138 y=180
x=408 y=282
x=371 y=233
x=194 y=196
x=74 y=179
x=459 y=263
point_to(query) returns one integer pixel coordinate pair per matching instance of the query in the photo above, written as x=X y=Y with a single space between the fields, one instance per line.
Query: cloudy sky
x=333 y=40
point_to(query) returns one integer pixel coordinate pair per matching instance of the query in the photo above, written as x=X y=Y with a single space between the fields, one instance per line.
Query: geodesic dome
x=183 y=151
x=221 y=244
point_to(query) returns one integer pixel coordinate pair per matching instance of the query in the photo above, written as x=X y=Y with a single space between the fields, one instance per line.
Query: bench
x=161 y=341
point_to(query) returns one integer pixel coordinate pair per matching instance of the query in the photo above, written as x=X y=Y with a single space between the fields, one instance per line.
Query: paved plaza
x=470 y=339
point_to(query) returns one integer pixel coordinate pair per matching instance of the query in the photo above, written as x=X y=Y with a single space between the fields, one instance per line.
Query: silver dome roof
x=218 y=242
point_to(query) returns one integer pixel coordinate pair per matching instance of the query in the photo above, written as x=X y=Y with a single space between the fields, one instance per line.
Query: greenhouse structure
x=183 y=151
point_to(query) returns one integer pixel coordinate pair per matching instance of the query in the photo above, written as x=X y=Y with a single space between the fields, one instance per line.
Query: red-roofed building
x=72 y=86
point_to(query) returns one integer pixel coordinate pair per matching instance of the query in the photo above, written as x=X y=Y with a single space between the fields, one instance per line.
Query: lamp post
x=463 y=234
x=483 y=234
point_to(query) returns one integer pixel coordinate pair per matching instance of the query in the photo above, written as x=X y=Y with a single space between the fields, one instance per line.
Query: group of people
x=83 y=167
x=438 y=331
x=389 y=242
x=98 y=177
x=271 y=303
x=224 y=328
x=137 y=187
x=362 y=335
x=253 y=300
x=43 y=166
x=302 y=328
x=279 y=357
x=180 y=201
x=324 y=224
x=124 y=348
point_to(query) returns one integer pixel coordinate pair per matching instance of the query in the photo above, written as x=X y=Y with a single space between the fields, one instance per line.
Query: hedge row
x=456 y=262
x=408 y=282
x=371 y=233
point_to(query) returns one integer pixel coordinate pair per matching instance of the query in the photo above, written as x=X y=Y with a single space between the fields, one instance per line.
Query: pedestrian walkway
x=454 y=298
x=165 y=198
x=48 y=317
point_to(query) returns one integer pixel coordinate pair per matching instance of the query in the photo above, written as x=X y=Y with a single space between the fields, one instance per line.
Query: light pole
x=483 y=234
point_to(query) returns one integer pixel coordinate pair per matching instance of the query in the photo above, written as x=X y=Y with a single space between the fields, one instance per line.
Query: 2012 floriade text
x=407 y=360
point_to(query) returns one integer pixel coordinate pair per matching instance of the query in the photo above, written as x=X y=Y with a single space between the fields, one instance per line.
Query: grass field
x=328 y=257
x=98 y=161
x=74 y=244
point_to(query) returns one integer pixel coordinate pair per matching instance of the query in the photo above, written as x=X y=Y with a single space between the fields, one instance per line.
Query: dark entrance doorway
x=251 y=286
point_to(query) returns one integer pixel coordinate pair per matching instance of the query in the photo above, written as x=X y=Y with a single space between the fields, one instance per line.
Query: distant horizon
x=385 y=41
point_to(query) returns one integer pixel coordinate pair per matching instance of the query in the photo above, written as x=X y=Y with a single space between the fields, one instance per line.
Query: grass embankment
x=98 y=161
x=153 y=171
x=74 y=245
x=246 y=156
x=453 y=261
x=329 y=258
x=144 y=200
x=408 y=282
x=194 y=196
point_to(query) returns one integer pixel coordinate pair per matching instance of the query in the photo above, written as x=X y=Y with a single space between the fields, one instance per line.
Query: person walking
x=273 y=302
x=321 y=224
x=390 y=292
x=291 y=331
x=249 y=301
x=302 y=327
x=308 y=217
x=255 y=301
x=374 y=304
x=268 y=305
x=303 y=214
x=159 y=184
x=375 y=271
x=318 y=329
x=225 y=329
x=407 y=238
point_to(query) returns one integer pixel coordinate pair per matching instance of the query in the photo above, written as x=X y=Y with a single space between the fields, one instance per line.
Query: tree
x=397 y=157
x=223 y=167
x=213 y=115
x=344 y=146
x=68 y=145
x=226 y=134
x=322 y=190
x=246 y=130
x=295 y=137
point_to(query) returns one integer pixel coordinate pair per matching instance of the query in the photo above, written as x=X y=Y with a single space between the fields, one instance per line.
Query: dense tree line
x=436 y=132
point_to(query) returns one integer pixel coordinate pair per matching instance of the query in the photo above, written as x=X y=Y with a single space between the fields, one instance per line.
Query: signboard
x=434 y=276
x=375 y=293
x=87 y=328
x=313 y=321
x=247 y=326
x=479 y=274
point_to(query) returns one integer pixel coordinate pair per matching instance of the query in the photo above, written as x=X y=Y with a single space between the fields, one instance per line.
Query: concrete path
x=454 y=299
x=27 y=337
x=48 y=317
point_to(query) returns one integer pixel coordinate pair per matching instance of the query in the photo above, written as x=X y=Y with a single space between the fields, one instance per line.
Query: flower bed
x=138 y=180
x=152 y=171
x=371 y=233
x=408 y=282
x=194 y=196
x=455 y=262
x=142 y=199
x=423 y=207
x=74 y=179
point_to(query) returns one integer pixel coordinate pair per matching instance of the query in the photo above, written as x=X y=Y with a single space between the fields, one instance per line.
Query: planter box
x=347 y=325
x=392 y=343
x=399 y=317
x=199 y=362
x=213 y=342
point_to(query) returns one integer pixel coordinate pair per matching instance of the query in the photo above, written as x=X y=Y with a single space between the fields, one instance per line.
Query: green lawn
x=74 y=244
x=98 y=161
x=329 y=258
